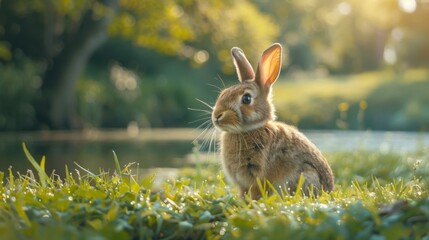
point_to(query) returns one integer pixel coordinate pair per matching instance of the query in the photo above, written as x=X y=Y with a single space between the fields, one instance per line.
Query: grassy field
x=377 y=196
x=383 y=100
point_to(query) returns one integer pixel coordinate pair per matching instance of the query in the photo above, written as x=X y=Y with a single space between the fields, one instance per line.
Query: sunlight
x=408 y=6
x=344 y=8
x=123 y=78
x=201 y=57
x=176 y=11
x=389 y=55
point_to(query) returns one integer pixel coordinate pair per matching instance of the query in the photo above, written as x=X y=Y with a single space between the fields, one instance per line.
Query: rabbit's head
x=247 y=105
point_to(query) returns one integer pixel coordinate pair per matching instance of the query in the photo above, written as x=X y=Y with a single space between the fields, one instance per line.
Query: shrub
x=19 y=84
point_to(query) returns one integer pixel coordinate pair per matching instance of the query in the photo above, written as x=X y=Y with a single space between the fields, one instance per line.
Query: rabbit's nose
x=219 y=116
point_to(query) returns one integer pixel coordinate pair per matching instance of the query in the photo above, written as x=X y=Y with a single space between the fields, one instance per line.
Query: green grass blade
x=11 y=179
x=85 y=170
x=299 y=193
x=117 y=165
x=42 y=163
x=39 y=168
x=19 y=208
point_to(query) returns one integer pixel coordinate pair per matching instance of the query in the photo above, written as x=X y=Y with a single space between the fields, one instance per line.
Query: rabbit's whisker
x=206 y=104
x=211 y=142
x=221 y=80
x=206 y=125
x=216 y=87
x=200 y=110
x=203 y=126
x=199 y=120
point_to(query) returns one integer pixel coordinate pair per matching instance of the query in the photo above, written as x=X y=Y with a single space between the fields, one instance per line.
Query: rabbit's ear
x=244 y=69
x=269 y=67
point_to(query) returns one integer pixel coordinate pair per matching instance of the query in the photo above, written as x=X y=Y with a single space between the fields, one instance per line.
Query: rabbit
x=255 y=146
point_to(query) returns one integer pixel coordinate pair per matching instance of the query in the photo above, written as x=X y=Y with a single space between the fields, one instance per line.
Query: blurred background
x=351 y=65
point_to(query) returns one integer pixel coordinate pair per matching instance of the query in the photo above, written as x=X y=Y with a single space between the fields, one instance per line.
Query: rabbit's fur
x=253 y=145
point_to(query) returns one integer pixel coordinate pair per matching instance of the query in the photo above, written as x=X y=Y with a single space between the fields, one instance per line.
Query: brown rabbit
x=253 y=145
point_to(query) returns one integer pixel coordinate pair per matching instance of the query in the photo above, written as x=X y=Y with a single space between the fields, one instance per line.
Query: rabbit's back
x=278 y=153
x=292 y=149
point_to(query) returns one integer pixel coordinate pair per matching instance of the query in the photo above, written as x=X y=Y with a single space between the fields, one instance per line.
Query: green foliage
x=405 y=105
x=383 y=203
x=123 y=96
x=19 y=83
x=331 y=36
x=154 y=24
x=382 y=100
x=349 y=36
x=219 y=25
x=61 y=36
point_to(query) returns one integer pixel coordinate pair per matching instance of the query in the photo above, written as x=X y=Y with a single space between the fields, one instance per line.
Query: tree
x=62 y=35
x=57 y=108
x=351 y=36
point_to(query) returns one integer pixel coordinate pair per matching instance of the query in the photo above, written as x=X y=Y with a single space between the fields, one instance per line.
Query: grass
x=377 y=196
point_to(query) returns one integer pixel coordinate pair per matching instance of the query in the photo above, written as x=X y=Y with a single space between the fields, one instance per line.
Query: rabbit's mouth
x=227 y=121
x=230 y=128
x=238 y=128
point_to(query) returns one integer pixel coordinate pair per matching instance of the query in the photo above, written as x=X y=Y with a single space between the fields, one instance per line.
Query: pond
x=164 y=148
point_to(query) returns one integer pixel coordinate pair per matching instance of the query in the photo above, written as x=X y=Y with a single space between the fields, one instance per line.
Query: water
x=93 y=149
x=400 y=142
x=164 y=148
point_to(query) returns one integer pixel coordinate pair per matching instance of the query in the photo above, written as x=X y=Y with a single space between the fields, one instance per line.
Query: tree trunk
x=57 y=109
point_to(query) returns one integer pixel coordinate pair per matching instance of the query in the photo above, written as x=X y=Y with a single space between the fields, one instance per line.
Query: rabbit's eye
x=246 y=99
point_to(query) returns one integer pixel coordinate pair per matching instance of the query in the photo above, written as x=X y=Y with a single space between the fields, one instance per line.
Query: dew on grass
x=219 y=214
x=263 y=207
x=322 y=206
